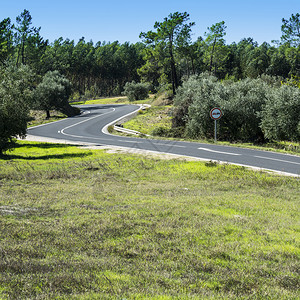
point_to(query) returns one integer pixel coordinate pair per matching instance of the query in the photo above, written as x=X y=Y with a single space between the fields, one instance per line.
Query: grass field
x=85 y=224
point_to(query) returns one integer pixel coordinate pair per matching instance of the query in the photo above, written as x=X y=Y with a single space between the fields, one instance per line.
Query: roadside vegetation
x=85 y=224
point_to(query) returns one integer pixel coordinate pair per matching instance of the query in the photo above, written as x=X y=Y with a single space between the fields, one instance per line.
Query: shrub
x=241 y=103
x=15 y=100
x=195 y=89
x=136 y=91
x=281 y=114
x=241 y=106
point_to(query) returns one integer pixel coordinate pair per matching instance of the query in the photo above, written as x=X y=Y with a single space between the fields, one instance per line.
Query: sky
x=116 y=20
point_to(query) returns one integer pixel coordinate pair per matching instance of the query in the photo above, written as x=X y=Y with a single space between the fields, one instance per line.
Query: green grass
x=113 y=100
x=149 y=119
x=85 y=224
x=109 y=100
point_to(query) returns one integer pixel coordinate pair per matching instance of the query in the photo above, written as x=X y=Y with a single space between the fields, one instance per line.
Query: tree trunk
x=173 y=71
x=193 y=66
x=212 y=55
x=48 y=114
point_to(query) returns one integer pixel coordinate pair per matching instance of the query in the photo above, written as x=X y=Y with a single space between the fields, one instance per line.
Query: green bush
x=136 y=91
x=241 y=103
x=197 y=89
x=15 y=100
x=241 y=106
x=281 y=114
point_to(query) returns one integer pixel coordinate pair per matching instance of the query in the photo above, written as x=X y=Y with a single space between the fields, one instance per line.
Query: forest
x=165 y=58
x=103 y=68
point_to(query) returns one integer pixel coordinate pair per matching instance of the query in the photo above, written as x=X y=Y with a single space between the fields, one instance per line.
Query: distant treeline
x=162 y=58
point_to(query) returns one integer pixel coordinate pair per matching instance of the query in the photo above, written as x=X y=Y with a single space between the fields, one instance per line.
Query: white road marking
x=62 y=131
x=133 y=142
x=105 y=130
x=228 y=153
x=276 y=159
x=169 y=145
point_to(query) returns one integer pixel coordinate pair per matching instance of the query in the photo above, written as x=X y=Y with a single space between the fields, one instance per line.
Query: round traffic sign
x=216 y=113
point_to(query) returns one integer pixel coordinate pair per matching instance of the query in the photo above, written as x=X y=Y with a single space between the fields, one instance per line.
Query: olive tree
x=53 y=93
x=241 y=103
x=16 y=85
x=281 y=114
x=136 y=91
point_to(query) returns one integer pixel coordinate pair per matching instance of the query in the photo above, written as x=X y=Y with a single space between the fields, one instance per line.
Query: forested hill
x=162 y=57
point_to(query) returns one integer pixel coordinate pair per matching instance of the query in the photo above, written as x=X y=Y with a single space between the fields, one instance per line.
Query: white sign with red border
x=216 y=113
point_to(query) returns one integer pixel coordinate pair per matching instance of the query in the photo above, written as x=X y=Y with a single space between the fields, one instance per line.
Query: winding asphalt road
x=91 y=127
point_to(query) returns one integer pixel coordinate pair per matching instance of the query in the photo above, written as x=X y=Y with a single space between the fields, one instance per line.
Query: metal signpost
x=216 y=114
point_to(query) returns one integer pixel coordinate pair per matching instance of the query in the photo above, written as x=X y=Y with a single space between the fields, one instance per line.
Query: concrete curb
x=124 y=119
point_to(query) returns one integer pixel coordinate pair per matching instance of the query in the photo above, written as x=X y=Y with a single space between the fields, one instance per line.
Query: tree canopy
x=53 y=93
x=291 y=30
x=171 y=35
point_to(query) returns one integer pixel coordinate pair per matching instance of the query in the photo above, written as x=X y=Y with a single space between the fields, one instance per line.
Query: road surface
x=91 y=127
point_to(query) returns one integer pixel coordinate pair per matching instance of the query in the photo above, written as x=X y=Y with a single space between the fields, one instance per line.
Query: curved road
x=90 y=127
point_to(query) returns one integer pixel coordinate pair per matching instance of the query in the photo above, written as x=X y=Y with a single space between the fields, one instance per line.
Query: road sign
x=216 y=113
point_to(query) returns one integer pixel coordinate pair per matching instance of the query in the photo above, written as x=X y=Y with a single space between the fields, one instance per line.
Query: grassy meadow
x=86 y=224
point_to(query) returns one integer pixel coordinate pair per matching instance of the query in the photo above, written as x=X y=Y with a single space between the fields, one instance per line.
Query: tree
x=171 y=34
x=6 y=39
x=279 y=65
x=258 y=61
x=292 y=55
x=53 y=93
x=216 y=50
x=291 y=30
x=16 y=87
x=29 y=44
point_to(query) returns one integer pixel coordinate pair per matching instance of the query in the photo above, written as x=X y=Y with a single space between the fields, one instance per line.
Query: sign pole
x=215 y=131
x=216 y=114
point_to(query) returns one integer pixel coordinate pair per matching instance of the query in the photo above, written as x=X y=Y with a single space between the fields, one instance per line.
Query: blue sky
x=112 y=20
